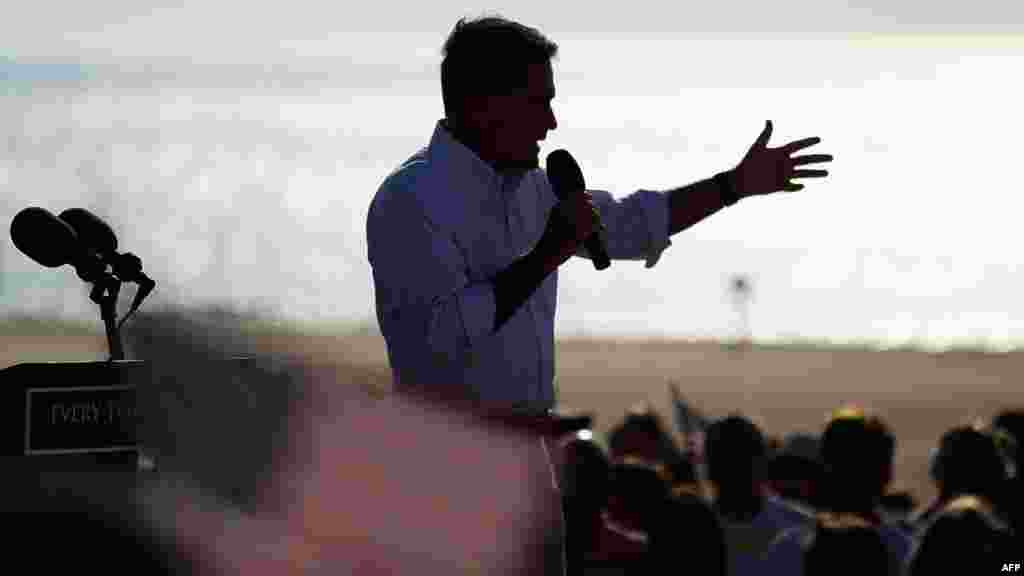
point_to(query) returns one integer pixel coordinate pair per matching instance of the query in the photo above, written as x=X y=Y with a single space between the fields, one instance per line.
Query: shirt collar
x=446 y=149
x=460 y=159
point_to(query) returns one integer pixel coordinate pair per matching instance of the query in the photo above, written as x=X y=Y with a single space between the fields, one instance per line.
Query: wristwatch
x=725 y=189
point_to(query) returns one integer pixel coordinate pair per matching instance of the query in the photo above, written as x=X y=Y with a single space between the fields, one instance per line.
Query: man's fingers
x=762 y=140
x=811 y=159
x=809 y=173
x=793 y=187
x=799 y=144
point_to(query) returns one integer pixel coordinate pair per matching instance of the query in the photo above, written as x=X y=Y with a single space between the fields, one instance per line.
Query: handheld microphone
x=566 y=179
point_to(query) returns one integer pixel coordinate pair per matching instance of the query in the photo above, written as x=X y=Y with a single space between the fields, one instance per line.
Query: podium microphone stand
x=104 y=293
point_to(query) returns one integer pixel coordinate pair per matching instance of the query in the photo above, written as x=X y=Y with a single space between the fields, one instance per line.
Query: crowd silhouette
x=731 y=501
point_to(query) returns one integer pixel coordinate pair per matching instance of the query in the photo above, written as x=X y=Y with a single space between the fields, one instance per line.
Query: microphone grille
x=92 y=231
x=43 y=237
x=564 y=173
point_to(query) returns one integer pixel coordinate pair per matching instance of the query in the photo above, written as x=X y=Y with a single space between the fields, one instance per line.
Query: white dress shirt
x=439 y=228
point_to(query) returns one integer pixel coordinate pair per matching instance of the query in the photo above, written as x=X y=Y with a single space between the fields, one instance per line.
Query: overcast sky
x=253 y=31
x=265 y=129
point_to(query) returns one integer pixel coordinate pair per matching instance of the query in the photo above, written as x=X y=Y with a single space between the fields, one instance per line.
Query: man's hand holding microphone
x=573 y=220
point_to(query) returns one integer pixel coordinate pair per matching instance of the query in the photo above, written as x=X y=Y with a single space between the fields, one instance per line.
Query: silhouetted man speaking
x=466 y=236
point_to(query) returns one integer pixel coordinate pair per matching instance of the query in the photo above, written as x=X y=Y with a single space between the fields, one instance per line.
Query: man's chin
x=520 y=165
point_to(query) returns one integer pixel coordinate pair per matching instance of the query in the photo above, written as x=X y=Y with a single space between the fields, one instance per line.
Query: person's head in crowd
x=968 y=461
x=735 y=455
x=1008 y=426
x=853 y=550
x=586 y=471
x=636 y=493
x=584 y=494
x=643 y=434
x=965 y=538
x=683 y=476
x=1008 y=429
x=795 y=469
x=857 y=451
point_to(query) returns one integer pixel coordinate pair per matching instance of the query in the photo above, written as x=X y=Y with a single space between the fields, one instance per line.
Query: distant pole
x=740 y=289
x=220 y=266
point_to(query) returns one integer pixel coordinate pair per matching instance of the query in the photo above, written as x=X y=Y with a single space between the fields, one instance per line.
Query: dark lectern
x=67 y=427
x=84 y=409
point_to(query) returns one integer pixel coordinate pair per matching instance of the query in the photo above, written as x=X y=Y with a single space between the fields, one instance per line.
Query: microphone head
x=92 y=231
x=564 y=173
x=43 y=237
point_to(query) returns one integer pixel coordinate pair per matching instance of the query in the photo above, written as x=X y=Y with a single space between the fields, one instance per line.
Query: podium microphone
x=52 y=242
x=97 y=235
x=43 y=238
x=567 y=179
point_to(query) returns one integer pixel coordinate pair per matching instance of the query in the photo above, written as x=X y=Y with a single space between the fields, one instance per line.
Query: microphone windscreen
x=43 y=237
x=564 y=173
x=92 y=232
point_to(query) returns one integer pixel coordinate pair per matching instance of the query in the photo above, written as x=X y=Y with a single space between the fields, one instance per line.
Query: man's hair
x=489 y=55
x=734 y=450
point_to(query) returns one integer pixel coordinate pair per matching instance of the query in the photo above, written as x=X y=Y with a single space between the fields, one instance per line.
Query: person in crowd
x=1008 y=429
x=736 y=458
x=857 y=451
x=967 y=462
x=642 y=434
x=684 y=477
x=796 y=471
x=690 y=529
x=637 y=496
x=966 y=536
x=854 y=550
x=584 y=495
x=1011 y=423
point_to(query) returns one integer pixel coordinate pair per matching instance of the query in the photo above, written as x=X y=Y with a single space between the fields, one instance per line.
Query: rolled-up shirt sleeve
x=426 y=305
x=636 y=226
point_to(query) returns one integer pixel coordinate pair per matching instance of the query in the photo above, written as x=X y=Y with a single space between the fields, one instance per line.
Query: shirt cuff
x=658 y=216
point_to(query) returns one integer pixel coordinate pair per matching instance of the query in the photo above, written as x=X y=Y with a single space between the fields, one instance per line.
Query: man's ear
x=473 y=114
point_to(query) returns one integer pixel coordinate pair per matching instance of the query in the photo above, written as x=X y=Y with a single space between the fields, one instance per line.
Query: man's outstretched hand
x=767 y=170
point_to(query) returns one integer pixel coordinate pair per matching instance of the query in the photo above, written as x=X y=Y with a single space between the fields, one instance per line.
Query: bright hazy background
x=235 y=146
